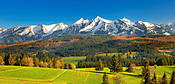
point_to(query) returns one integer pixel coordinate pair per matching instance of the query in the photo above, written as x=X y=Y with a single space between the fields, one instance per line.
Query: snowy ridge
x=101 y=19
x=147 y=24
x=1 y=30
x=96 y=26
x=81 y=21
x=42 y=29
x=127 y=21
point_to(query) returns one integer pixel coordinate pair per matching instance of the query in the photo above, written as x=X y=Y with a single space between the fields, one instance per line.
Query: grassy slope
x=33 y=75
x=73 y=59
x=28 y=73
x=134 y=78
x=5 y=68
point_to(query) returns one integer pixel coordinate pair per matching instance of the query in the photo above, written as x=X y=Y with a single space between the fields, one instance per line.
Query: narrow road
x=86 y=77
x=57 y=76
x=11 y=69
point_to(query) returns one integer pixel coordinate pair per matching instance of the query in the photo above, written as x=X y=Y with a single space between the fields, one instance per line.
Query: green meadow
x=73 y=60
x=36 y=75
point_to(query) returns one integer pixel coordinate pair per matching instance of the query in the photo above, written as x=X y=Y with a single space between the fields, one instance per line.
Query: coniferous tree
x=36 y=61
x=145 y=68
x=105 y=78
x=41 y=63
x=1 y=61
x=162 y=61
x=130 y=68
x=66 y=66
x=11 y=60
x=50 y=64
x=6 y=59
x=27 y=61
x=172 y=78
x=147 y=77
x=18 y=59
x=146 y=73
x=58 y=64
x=72 y=66
x=45 y=64
x=154 y=80
x=46 y=59
x=81 y=64
x=2 y=54
x=100 y=65
x=164 y=79
x=115 y=65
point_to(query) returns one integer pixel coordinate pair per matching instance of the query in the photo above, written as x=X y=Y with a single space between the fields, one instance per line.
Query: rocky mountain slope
x=94 y=27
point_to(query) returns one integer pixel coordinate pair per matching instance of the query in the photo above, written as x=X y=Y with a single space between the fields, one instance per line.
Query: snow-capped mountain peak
x=98 y=18
x=170 y=23
x=62 y=25
x=147 y=24
x=127 y=21
x=1 y=30
x=96 y=26
x=31 y=30
x=41 y=29
x=53 y=27
x=81 y=20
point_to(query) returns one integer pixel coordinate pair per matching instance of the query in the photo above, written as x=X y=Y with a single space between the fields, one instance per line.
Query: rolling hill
x=83 y=45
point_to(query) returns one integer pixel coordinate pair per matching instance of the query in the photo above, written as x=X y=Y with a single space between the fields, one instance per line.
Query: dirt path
x=23 y=80
x=86 y=77
x=57 y=76
x=12 y=69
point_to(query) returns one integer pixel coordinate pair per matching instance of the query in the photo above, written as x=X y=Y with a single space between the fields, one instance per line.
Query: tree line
x=126 y=59
x=34 y=61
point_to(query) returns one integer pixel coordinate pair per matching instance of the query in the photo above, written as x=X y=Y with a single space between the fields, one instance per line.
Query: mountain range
x=94 y=27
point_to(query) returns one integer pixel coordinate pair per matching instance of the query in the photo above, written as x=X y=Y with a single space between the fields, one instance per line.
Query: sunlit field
x=33 y=75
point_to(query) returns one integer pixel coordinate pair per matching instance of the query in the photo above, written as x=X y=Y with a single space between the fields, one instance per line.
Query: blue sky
x=31 y=12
